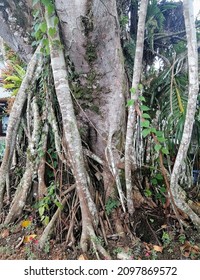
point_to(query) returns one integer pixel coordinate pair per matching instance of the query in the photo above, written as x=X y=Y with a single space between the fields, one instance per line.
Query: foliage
x=110 y=205
x=45 y=204
x=12 y=78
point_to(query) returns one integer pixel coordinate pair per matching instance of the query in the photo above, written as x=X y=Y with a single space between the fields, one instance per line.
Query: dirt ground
x=155 y=238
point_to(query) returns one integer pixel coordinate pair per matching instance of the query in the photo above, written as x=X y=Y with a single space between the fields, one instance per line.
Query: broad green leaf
x=133 y=90
x=140 y=86
x=157 y=147
x=130 y=102
x=148 y=192
x=50 y=10
x=146 y=116
x=45 y=42
x=159 y=177
x=41 y=210
x=154 y=181
x=159 y=133
x=43 y=27
x=145 y=123
x=46 y=220
x=56 y=21
x=142 y=98
x=153 y=130
x=146 y=132
x=165 y=151
x=144 y=108
x=163 y=189
x=161 y=139
x=58 y=204
x=52 y=31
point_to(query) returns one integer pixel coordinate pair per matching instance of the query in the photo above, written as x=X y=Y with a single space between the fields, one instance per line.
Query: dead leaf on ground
x=29 y=238
x=25 y=223
x=164 y=226
x=82 y=257
x=5 y=233
x=158 y=248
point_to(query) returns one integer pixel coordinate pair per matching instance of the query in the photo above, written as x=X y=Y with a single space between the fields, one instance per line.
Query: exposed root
x=21 y=194
x=49 y=227
x=33 y=69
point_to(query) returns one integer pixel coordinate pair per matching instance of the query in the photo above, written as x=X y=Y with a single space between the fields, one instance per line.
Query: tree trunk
x=190 y=113
x=33 y=70
x=131 y=125
x=92 y=37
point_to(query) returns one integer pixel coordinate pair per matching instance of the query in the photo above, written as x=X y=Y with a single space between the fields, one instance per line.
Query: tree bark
x=190 y=113
x=16 y=18
x=33 y=70
x=134 y=96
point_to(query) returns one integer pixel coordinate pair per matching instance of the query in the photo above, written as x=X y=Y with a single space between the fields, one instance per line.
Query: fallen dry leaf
x=158 y=248
x=5 y=233
x=29 y=238
x=164 y=226
x=25 y=223
x=82 y=257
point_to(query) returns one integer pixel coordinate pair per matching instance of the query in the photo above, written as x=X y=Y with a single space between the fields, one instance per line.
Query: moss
x=90 y=54
x=95 y=108
x=82 y=92
x=87 y=25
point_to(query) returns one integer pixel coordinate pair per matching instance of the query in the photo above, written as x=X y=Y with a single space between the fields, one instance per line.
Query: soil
x=153 y=237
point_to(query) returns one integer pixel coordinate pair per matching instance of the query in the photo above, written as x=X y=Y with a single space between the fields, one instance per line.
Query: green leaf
x=130 y=102
x=45 y=42
x=8 y=86
x=159 y=177
x=157 y=147
x=140 y=86
x=148 y=192
x=154 y=181
x=43 y=27
x=35 y=2
x=58 y=204
x=153 y=130
x=133 y=90
x=142 y=98
x=41 y=210
x=38 y=34
x=144 y=108
x=165 y=151
x=56 y=21
x=46 y=220
x=163 y=189
x=13 y=78
x=161 y=139
x=159 y=133
x=50 y=9
x=145 y=123
x=146 y=132
x=146 y=116
x=52 y=31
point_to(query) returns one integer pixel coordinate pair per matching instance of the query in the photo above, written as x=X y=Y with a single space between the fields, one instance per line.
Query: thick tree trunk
x=72 y=138
x=92 y=37
x=16 y=18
